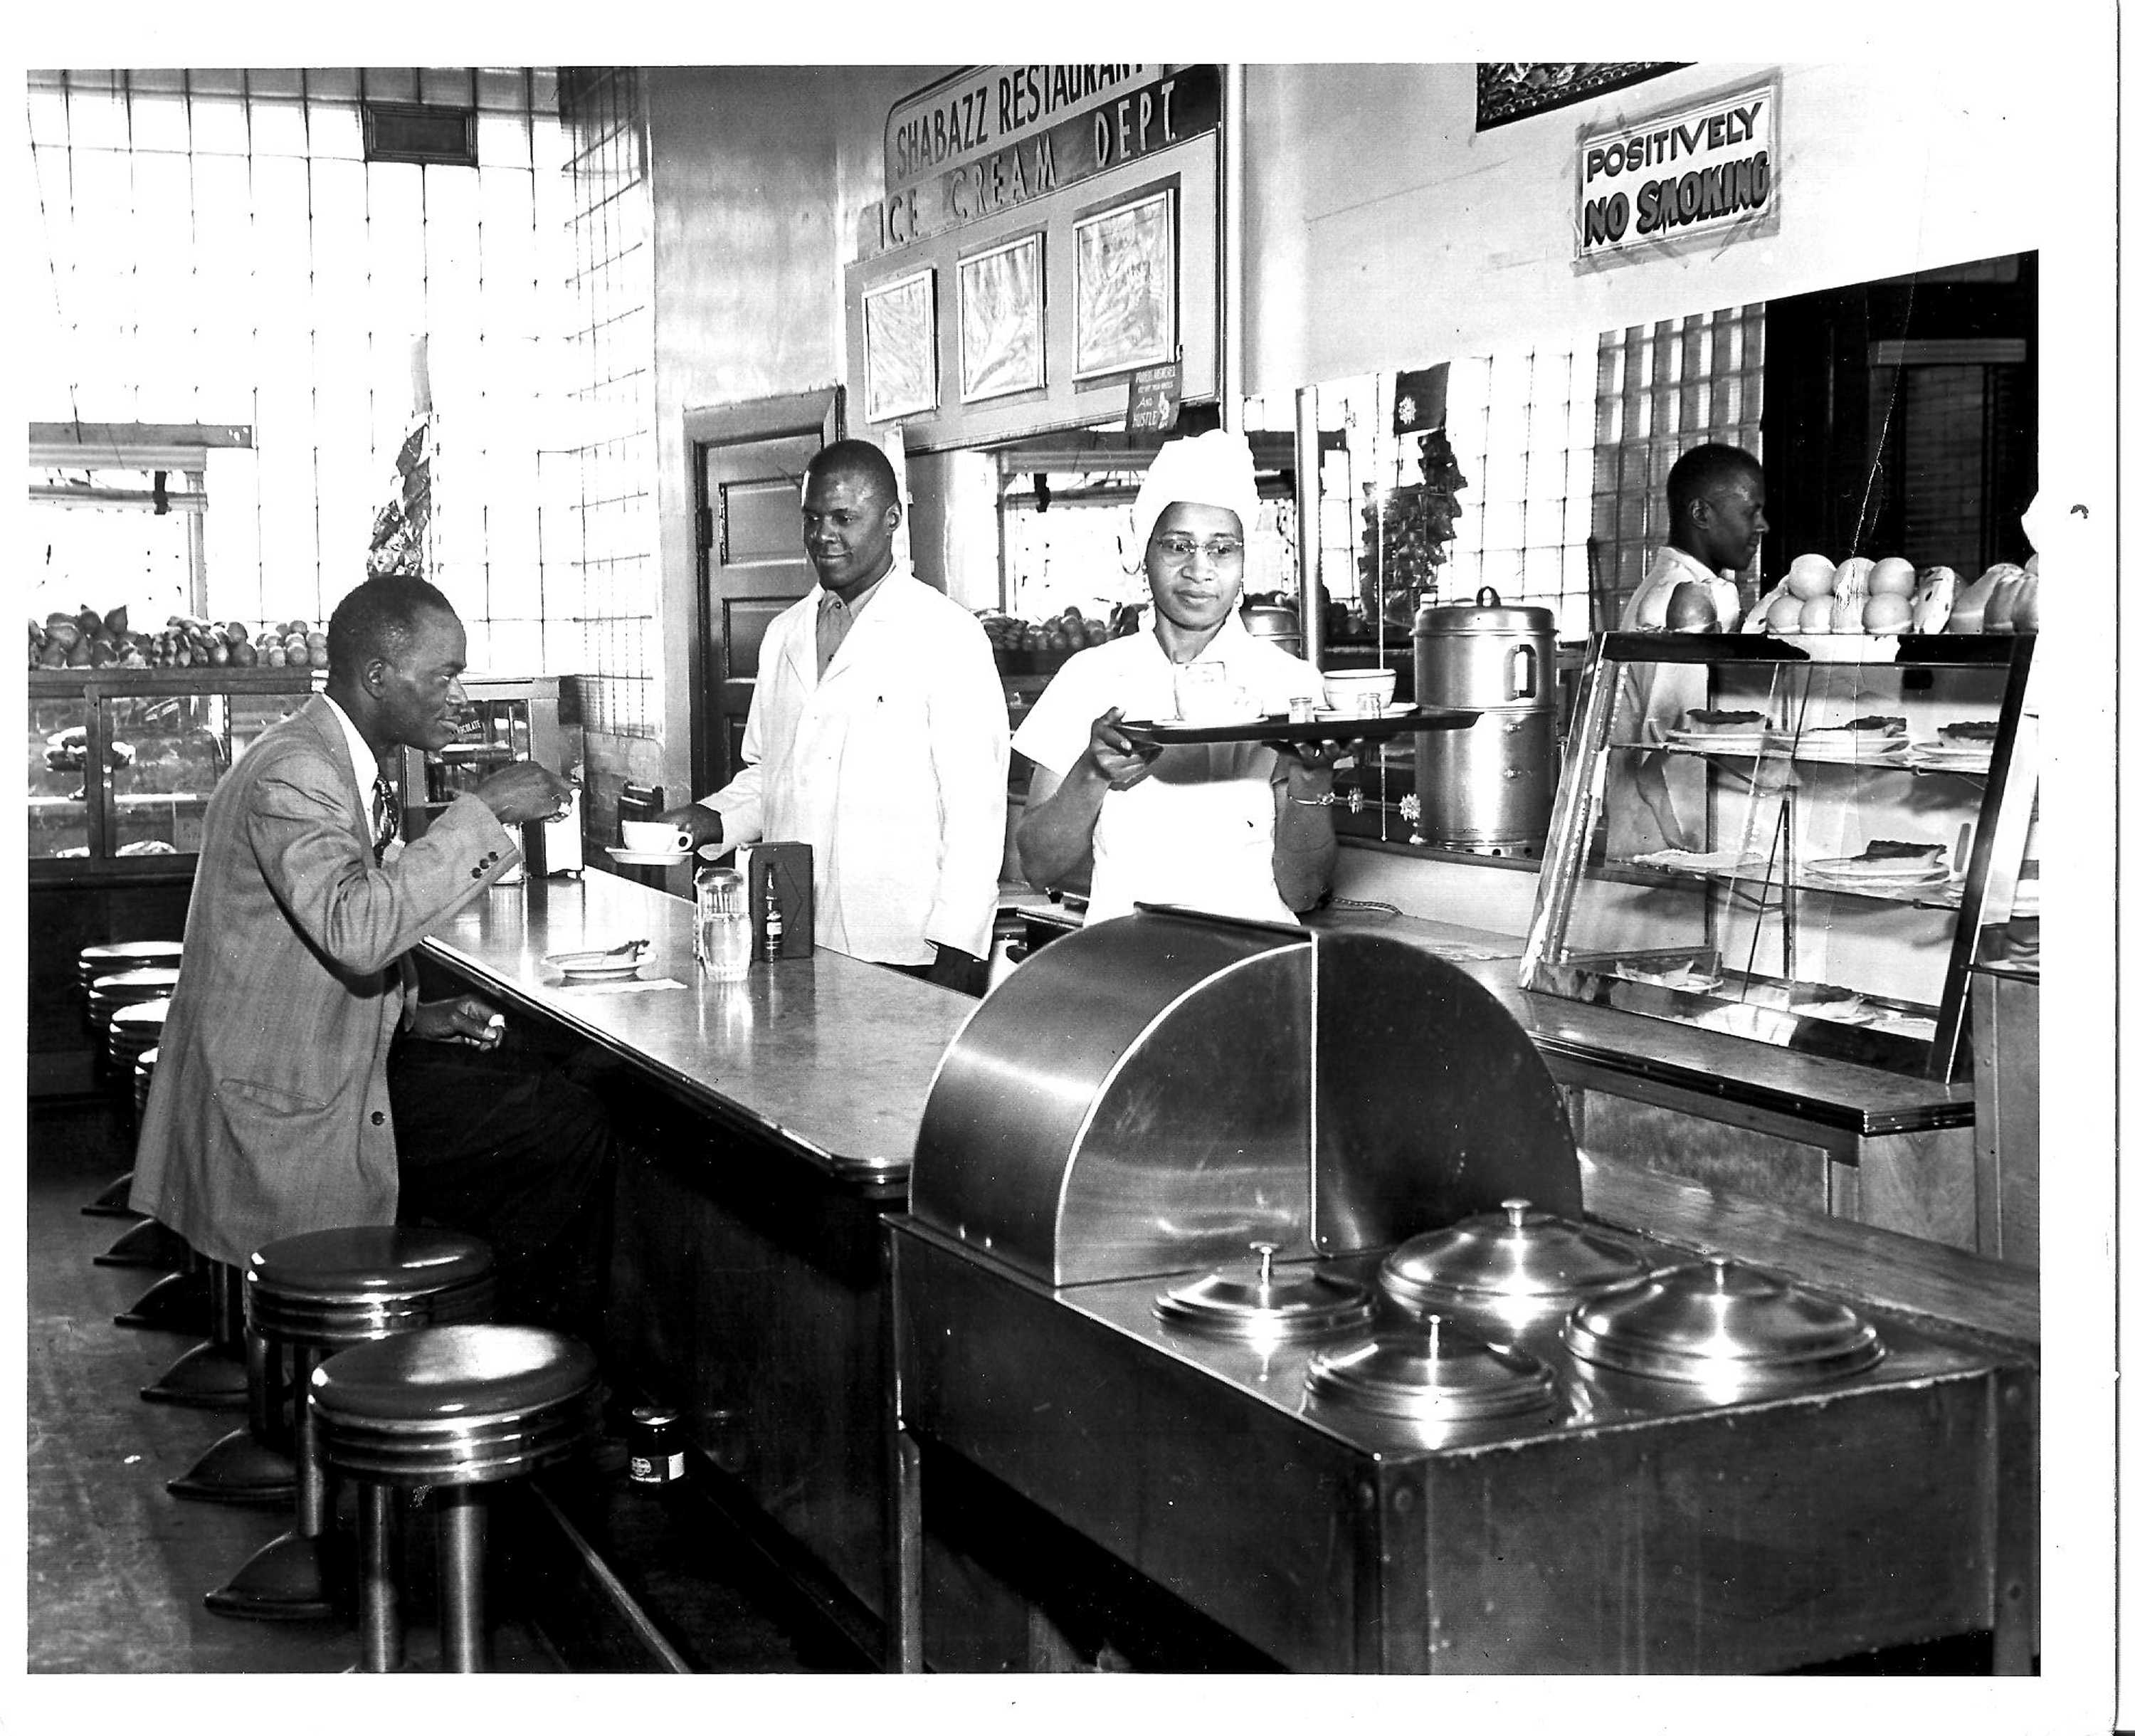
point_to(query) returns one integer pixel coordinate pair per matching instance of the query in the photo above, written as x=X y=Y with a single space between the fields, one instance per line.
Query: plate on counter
x=1323 y=727
x=649 y=858
x=598 y=964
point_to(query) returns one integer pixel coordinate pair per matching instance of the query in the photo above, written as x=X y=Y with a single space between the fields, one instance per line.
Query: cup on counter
x=653 y=838
x=725 y=935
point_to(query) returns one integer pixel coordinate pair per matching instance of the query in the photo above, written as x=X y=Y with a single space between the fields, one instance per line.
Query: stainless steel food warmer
x=1258 y=1259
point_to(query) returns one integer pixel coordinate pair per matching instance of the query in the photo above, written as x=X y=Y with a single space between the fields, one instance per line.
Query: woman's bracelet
x=1330 y=800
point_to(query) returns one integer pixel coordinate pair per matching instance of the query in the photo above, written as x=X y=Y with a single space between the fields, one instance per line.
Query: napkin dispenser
x=558 y=846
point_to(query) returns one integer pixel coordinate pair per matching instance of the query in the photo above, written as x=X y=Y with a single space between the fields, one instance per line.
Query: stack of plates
x=1849 y=747
x=1719 y=741
x=1941 y=755
x=1896 y=875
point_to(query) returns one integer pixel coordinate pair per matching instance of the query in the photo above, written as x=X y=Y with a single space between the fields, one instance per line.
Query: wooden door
x=748 y=460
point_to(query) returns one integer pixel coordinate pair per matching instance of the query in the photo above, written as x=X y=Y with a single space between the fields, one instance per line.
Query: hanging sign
x=1696 y=177
x=929 y=191
x=1152 y=398
x=987 y=108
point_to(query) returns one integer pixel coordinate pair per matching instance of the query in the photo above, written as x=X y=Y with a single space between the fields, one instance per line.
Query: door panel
x=748 y=460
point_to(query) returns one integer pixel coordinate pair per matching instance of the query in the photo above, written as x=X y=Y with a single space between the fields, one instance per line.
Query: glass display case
x=506 y=717
x=1792 y=841
x=121 y=762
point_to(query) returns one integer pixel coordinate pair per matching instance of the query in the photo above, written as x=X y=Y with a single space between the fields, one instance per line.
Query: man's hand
x=522 y=792
x=1119 y=763
x=699 y=824
x=464 y=1019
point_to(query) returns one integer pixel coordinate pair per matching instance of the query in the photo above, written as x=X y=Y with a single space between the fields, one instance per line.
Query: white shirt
x=366 y=762
x=1646 y=609
x=892 y=765
x=1199 y=830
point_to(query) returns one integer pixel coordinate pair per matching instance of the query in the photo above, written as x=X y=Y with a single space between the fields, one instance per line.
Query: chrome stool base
x=111 y=1203
x=209 y=1376
x=240 y=1470
x=176 y=1302
x=294 y=1579
x=147 y=1243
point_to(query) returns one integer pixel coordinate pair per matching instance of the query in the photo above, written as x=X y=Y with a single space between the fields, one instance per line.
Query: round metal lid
x=1726 y=1327
x=1256 y=1301
x=1487 y=614
x=1434 y=1370
x=1516 y=1261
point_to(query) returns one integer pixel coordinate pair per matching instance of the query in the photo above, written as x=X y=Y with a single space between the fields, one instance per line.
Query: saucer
x=649 y=858
x=593 y=965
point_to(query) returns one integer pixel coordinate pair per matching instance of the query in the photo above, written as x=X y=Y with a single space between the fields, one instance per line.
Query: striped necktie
x=385 y=817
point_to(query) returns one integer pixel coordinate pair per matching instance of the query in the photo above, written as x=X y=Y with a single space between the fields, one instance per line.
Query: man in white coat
x=879 y=737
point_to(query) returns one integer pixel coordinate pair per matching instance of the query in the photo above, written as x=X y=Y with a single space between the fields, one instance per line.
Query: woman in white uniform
x=1240 y=829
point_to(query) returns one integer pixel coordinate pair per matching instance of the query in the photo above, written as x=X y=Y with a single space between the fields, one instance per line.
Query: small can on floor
x=656 y=1445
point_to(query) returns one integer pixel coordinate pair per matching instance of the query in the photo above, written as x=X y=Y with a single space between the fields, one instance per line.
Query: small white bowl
x=1348 y=688
x=651 y=838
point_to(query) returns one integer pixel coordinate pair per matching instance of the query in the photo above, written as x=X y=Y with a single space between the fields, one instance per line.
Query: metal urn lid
x=1516 y=1262
x=1434 y=1370
x=1258 y=1302
x=1729 y=1328
x=1488 y=613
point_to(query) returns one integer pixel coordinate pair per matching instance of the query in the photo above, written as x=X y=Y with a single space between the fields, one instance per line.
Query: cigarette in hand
x=493 y=1032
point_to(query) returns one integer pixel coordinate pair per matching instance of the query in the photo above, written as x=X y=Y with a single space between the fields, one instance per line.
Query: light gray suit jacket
x=268 y=1114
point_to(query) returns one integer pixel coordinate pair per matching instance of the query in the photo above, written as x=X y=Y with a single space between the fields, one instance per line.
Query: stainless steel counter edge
x=827 y=1058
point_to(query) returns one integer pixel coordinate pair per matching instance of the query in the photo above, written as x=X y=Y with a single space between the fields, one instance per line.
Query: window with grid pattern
x=610 y=526
x=216 y=248
x=1659 y=389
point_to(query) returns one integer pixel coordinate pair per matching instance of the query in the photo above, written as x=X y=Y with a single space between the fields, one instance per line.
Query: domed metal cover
x=1260 y=1303
x=1435 y=1371
x=1726 y=1327
x=1516 y=1261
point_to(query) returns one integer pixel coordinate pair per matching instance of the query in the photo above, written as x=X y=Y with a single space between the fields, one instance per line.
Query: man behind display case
x=1715 y=495
x=878 y=736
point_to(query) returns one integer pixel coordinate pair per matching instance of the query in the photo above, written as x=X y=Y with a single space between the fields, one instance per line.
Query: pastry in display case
x=1797 y=842
x=122 y=762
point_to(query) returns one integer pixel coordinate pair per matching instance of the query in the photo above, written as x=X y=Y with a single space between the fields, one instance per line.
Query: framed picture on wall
x=1126 y=287
x=1509 y=90
x=1000 y=319
x=897 y=321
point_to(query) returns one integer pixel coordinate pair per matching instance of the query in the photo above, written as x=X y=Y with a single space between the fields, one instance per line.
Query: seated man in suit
x=302 y=1085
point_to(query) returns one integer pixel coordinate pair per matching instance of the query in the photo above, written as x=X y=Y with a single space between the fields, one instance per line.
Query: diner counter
x=826 y=1057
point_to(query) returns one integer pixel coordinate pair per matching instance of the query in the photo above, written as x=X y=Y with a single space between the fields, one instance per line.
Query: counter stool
x=307 y=1296
x=117 y=959
x=127 y=988
x=211 y=1375
x=133 y=1030
x=455 y=1408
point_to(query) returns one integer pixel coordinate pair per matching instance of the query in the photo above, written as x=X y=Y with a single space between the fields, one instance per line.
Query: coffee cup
x=653 y=837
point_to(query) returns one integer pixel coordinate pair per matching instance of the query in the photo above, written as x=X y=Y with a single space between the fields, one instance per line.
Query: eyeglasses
x=1223 y=551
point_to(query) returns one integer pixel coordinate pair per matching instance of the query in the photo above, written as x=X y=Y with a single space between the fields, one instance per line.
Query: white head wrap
x=1211 y=469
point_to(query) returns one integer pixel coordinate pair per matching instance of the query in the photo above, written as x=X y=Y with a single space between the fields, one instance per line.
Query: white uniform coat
x=893 y=768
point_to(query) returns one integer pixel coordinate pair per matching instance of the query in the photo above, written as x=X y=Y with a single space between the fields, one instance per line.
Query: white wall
x=759 y=174
x=1412 y=238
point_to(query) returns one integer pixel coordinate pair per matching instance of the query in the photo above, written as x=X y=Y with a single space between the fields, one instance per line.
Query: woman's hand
x=1121 y=764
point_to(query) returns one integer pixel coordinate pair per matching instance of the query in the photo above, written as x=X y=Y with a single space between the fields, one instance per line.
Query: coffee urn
x=1487 y=788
